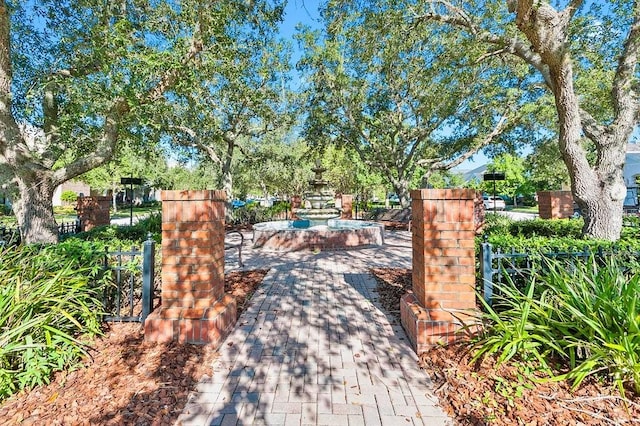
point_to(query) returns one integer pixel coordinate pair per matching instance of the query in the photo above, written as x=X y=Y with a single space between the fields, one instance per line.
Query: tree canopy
x=230 y=103
x=409 y=96
x=78 y=76
x=585 y=55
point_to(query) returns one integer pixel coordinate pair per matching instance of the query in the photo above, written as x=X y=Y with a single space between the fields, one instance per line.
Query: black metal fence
x=128 y=296
x=496 y=266
x=11 y=235
x=69 y=228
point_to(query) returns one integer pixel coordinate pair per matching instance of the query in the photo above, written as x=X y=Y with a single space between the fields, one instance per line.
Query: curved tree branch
x=196 y=140
x=104 y=148
x=623 y=90
x=171 y=76
x=513 y=45
x=120 y=108
x=441 y=164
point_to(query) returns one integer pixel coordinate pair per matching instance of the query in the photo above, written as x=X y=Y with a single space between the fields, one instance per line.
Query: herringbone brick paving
x=315 y=348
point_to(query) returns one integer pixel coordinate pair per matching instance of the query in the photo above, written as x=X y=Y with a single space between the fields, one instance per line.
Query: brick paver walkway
x=314 y=348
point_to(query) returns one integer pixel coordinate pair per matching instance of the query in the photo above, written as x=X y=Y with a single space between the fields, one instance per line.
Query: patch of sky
x=297 y=14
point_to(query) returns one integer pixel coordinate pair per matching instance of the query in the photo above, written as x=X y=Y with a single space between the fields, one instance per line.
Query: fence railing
x=129 y=298
x=69 y=228
x=496 y=265
x=11 y=235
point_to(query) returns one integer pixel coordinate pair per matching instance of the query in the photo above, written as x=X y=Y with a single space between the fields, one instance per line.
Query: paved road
x=126 y=220
x=315 y=348
x=516 y=215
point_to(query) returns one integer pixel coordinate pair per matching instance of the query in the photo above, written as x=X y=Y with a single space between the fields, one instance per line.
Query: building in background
x=80 y=188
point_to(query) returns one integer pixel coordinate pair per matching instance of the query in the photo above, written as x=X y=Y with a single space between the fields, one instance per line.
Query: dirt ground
x=126 y=380
x=483 y=394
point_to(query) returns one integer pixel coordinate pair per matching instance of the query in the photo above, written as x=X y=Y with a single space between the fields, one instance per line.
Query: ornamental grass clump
x=48 y=304
x=576 y=319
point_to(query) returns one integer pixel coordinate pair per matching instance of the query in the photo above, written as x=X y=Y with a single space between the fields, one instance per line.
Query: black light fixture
x=131 y=181
x=493 y=176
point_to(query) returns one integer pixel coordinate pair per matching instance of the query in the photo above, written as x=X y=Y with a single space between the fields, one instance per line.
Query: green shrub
x=586 y=316
x=47 y=306
x=510 y=243
x=253 y=213
x=279 y=207
x=496 y=224
x=571 y=228
x=152 y=224
x=69 y=196
x=630 y=228
x=558 y=228
x=117 y=236
x=543 y=236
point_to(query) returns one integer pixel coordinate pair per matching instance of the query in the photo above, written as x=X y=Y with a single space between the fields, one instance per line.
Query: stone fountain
x=317 y=228
x=320 y=212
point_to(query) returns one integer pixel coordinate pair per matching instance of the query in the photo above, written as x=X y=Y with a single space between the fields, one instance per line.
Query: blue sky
x=300 y=11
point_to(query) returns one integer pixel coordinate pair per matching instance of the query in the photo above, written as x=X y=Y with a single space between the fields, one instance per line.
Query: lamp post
x=131 y=181
x=493 y=176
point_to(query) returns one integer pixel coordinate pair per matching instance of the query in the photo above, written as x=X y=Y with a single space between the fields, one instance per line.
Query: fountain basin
x=289 y=235
x=317 y=216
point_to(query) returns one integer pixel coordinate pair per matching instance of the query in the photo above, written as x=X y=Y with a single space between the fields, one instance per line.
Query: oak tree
x=403 y=99
x=78 y=76
x=586 y=55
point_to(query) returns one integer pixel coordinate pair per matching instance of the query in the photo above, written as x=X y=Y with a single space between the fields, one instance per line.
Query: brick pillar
x=93 y=211
x=195 y=308
x=555 y=204
x=347 y=206
x=443 y=265
x=296 y=203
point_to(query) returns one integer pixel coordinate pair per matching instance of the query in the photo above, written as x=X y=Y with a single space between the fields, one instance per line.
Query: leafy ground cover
x=125 y=380
x=49 y=300
x=485 y=392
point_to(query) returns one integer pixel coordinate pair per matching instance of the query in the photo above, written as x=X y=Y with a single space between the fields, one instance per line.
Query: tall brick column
x=555 y=204
x=195 y=308
x=296 y=203
x=443 y=265
x=93 y=211
x=347 y=206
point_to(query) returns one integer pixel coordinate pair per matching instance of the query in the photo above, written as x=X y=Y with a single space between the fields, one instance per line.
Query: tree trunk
x=227 y=183
x=402 y=191
x=602 y=216
x=34 y=209
x=114 y=197
x=599 y=190
x=226 y=178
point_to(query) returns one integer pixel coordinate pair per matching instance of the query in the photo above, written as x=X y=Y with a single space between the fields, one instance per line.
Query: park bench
x=392 y=218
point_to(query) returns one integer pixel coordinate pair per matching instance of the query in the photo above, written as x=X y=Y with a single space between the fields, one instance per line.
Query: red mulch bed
x=483 y=393
x=127 y=380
